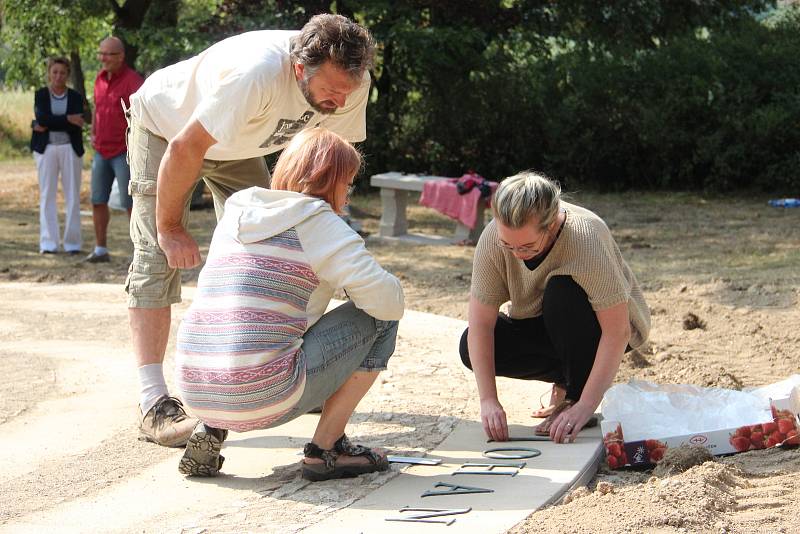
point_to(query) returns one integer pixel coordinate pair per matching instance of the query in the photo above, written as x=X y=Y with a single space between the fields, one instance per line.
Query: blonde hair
x=60 y=60
x=316 y=163
x=526 y=197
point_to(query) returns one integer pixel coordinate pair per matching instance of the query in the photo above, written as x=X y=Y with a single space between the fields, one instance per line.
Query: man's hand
x=180 y=248
x=39 y=128
x=177 y=176
x=76 y=119
x=493 y=418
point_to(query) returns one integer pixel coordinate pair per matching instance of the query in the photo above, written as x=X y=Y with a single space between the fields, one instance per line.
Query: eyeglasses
x=106 y=54
x=524 y=249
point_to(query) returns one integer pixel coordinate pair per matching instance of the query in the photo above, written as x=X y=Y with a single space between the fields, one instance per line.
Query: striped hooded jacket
x=275 y=260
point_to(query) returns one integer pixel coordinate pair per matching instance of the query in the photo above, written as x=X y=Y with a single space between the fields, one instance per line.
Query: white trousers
x=59 y=159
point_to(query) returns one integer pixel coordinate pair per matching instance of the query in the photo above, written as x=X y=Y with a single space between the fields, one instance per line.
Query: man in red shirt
x=114 y=84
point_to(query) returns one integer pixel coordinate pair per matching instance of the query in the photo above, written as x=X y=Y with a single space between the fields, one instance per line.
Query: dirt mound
x=678 y=460
x=693 y=500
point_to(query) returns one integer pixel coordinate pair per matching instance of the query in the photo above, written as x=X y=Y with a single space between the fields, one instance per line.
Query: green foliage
x=672 y=103
x=628 y=94
x=718 y=113
x=16 y=112
x=34 y=30
x=172 y=31
x=626 y=26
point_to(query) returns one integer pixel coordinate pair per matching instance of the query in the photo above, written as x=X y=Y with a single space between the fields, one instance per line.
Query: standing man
x=216 y=116
x=114 y=84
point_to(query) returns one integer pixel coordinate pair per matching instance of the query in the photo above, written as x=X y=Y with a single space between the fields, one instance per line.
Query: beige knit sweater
x=585 y=250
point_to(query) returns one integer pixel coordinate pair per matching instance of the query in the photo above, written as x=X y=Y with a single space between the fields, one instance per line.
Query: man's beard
x=310 y=99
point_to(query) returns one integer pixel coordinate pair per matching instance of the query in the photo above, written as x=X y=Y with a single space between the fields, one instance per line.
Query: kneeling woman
x=256 y=349
x=575 y=306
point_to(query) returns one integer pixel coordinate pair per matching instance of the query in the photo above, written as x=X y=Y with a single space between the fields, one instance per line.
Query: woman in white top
x=57 y=147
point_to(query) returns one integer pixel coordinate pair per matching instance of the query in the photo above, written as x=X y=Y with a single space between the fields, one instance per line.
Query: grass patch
x=16 y=112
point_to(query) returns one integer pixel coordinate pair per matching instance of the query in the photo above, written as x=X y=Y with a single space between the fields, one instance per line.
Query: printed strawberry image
x=613 y=462
x=657 y=454
x=781 y=431
x=740 y=443
x=743 y=431
x=651 y=444
x=786 y=429
x=769 y=428
x=785 y=425
x=756 y=440
x=615 y=453
x=775 y=439
x=655 y=449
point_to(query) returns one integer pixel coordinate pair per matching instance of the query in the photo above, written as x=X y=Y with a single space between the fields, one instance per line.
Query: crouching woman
x=575 y=306
x=256 y=348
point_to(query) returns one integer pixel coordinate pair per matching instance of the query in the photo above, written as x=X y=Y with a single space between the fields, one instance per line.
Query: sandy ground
x=733 y=262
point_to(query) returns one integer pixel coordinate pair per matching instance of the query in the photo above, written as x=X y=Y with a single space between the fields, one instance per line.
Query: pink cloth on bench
x=443 y=196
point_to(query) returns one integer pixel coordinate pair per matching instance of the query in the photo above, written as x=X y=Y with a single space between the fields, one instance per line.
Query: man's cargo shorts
x=151 y=283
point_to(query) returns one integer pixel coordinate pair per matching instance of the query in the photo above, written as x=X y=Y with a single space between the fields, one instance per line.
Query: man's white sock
x=151 y=378
x=100 y=251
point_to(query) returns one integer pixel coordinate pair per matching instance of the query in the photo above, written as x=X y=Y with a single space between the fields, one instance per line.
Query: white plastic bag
x=115 y=198
x=648 y=410
x=778 y=390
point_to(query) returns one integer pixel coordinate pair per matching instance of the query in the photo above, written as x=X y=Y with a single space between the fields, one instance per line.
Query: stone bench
x=395 y=187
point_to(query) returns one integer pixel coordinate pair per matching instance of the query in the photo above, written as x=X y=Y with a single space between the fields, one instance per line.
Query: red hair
x=316 y=163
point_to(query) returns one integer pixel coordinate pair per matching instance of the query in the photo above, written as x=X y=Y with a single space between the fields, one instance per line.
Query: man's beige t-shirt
x=244 y=92
x=584 y=250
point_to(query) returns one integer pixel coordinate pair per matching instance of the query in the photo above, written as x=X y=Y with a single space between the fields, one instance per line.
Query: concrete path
x=71 y=462
x=542 y=481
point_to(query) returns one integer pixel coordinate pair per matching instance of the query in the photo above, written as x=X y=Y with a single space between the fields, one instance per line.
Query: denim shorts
x=103 y=173
x=343 y=341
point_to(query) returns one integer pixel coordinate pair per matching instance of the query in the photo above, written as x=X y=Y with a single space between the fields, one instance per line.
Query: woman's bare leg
x=336 y=413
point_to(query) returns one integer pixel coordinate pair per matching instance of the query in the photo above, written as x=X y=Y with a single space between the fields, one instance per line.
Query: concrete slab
x=394 y=188
x=543 y=480
x=402 y=181
x=414 y=239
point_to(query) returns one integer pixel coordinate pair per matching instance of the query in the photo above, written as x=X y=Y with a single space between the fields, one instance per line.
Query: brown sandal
x=545 y=411
x=329 y=470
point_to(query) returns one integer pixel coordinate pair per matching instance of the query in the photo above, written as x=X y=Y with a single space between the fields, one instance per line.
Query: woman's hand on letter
x=568 y=423
x=493 y=418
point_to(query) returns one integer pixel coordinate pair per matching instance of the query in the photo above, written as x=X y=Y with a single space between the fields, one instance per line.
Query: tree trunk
x=79 y=83
x=129 y=17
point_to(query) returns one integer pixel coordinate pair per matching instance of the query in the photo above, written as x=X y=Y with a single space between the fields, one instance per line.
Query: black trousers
x=558 y=347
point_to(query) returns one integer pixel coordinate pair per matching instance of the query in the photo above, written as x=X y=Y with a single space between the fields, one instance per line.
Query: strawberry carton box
x=783 y=429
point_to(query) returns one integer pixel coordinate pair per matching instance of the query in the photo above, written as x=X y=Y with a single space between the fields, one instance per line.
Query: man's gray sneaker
x=202 y=457
x=166 y=423
x=97 y=258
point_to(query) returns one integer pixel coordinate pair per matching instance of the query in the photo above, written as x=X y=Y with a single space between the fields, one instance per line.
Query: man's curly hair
x=337 y=39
